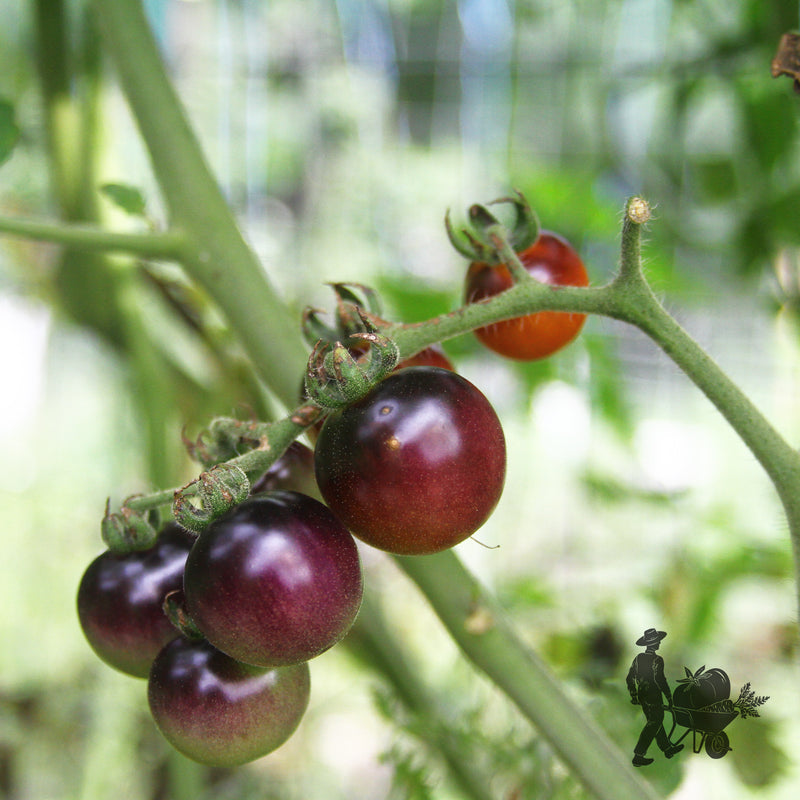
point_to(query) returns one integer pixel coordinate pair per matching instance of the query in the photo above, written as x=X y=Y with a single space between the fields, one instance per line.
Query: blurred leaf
x=716 y=178
x=128 y=198
x=525 y=593
x=611 y=489
x=757 y=759
x=607 y=389
x=569 y=200
x=411 y=299
x=770 y=120
x=9 y=130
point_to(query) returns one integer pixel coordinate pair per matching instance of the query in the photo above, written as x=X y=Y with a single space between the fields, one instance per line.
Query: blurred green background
x=341 y=131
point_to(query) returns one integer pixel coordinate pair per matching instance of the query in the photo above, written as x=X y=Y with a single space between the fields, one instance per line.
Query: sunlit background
x=341 y=132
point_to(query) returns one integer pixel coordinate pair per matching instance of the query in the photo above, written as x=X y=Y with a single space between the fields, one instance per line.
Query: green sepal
x=478 y=241
x=224 y=439
x=127 y=531
x=314 y=329
x=218 y=490
x=336 y=378
x=466 y=243
x=526 y=228
x=360 y=295
x=351 y=378
x=174 y=606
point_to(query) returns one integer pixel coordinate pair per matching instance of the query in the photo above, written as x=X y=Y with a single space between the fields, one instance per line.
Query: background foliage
x=341 y=131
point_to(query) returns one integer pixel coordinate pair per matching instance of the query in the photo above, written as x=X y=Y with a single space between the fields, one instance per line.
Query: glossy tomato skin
x=120 y=601
x=417 y=465
x=552 y=260
x=276 y=581
x=433 y=356
x=293 y=471
x=220 y=712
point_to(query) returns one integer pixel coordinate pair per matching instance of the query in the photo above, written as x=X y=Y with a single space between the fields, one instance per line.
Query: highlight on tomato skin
x=120 y=601
x=417 y=465
x=431 y=356
x=220 y=712
x=275 y=581
x=551 y=260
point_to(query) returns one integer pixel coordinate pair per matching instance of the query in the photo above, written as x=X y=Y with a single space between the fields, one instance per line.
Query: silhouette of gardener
x=646 y=683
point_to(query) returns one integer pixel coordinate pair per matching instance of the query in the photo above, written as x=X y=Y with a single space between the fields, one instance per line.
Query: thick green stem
x=167 y=245
x=217 y=256
x=219 y=259
x=640 y=307
x=62 y=118
x=479 y=628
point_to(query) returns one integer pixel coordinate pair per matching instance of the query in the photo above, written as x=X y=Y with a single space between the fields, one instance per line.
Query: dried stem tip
x=638 y=210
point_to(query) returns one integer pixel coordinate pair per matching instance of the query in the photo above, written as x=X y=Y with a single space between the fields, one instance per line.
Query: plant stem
x=61 y=118
x=493 y=647
x=216 y=255
x=640 y=307
x=525 y=297
x=167 y=245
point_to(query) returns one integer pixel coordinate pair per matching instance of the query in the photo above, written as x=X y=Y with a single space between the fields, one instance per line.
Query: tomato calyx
x=482 y=239
x=218 y=489
x=126 y=531
x=351 y=355
x=358 y=310
x=174 y=607
x=337 y=376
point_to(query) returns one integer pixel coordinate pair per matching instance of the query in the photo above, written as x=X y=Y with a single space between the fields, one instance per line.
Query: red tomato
x=552 y=260
x=417 y=465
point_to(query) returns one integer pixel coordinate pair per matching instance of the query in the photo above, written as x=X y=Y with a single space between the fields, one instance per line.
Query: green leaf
x=9 y=130
x=128 y=198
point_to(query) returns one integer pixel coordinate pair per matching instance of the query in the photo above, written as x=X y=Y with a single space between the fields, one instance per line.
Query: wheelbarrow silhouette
x=706 y=727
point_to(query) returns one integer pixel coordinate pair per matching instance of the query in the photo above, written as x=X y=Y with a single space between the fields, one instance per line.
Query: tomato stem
x=214 y=253
x=495 y=649
x=166 y=245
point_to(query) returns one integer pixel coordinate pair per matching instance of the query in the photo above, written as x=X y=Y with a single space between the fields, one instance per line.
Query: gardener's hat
x=651 y=636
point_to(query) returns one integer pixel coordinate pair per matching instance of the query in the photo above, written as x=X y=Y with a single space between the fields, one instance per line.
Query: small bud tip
x=638 y=210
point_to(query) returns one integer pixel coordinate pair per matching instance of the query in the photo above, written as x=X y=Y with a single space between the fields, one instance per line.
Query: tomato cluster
x=268 y=586
x=223 y=623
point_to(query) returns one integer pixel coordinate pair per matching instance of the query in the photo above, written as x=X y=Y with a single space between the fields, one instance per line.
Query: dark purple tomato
x=415 y=466
x=294 y=471
x=433 y=356
x=120 y=600
x=276 y=581
x=220 y=712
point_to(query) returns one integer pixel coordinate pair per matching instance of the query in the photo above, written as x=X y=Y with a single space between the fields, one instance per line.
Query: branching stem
x=168 y=245
x=214 y=253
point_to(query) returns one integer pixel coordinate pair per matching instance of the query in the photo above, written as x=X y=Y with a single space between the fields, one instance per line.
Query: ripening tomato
x=275 y=581
x=220 y=712
x=415 y=466
x=121 y=597
x=552 y=260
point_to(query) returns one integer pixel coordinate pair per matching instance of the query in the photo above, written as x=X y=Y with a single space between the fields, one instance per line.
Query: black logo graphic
x=701 y=703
